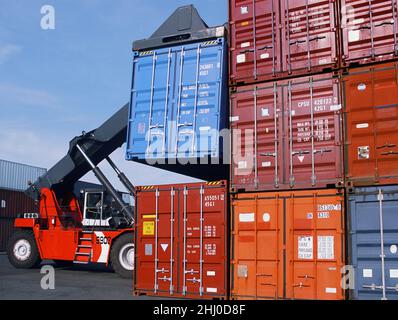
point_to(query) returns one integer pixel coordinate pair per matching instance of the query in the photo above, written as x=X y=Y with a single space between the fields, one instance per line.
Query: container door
x=256 y=256
x=374 y=230
x=255 y=40
x=199 y=71
x=157 y=234
x=372 y=121
x=202 y=241
x=309 y=35
x=151 y=104
x=312 y=112
x=256 y=124
x=315 y=248
x=369 y=30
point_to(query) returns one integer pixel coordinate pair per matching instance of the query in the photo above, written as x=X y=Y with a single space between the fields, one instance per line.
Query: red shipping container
x=12 y=204
x=371 y=120
x=287 y=134
x=288 y=245
x=309 y=37
x=181 y=241
x=369 y=30
x=255 y=53
x=277 y=39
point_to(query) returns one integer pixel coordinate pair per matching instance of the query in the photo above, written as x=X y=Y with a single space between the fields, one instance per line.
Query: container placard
x=325 y=247
x=305 y=247
x=148 y=228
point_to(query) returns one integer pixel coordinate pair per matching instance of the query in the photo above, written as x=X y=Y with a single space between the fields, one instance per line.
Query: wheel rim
x=126 y=256
x=22 y=250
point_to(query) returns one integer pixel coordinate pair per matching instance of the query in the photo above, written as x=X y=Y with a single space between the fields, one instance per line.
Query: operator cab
x=99 y=207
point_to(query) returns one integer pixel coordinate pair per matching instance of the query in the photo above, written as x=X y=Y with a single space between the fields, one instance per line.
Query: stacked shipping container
x=179 y=106
x=14 y=178
x=307 y=123
x=314 y=124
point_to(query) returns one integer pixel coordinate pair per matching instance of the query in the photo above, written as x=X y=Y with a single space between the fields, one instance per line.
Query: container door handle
x=322 y=151
x=393 y=288
x=389 y=153
x=387 y=145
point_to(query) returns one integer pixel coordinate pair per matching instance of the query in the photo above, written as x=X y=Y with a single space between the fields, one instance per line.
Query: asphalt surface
x=76 y=283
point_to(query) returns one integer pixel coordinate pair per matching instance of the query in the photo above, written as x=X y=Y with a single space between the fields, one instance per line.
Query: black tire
x=63 y=263
x=122 y=243
x=32 y=259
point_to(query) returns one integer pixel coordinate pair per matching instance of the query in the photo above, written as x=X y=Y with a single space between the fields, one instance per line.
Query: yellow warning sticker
x=148 y=228
x=245 y=23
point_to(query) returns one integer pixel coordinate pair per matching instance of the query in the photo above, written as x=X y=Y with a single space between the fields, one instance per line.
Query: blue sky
x=56 y=83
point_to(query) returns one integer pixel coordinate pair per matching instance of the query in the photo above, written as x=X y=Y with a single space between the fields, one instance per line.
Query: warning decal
x=148 y=228
x=305 y=247
x=325 y=247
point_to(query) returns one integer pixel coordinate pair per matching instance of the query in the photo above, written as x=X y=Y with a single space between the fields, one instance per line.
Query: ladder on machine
x=84 y=249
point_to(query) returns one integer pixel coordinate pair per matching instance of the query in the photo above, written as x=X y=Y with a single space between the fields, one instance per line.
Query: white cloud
x=13 y=95
x=8 y=50
x=28 y=147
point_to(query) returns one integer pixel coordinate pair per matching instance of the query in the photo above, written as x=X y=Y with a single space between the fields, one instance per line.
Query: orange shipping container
x=287 y=245
x=371 y=120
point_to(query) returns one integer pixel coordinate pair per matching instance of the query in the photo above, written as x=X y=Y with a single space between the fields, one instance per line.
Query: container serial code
x=200 y=310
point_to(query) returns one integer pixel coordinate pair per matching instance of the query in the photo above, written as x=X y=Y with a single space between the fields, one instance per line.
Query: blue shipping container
x=15 y=176
x=178 y=102
x=373 y=219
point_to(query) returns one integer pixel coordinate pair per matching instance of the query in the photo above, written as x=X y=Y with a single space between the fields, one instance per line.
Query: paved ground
x=77 y=282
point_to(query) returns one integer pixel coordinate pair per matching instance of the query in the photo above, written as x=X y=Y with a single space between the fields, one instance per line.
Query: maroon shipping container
x=309 y=37
x=277 y=39
x=369 y=30
x=371 y=120
x=287 y=135
x=12 y=203
x=255 y=53
x=181 y=241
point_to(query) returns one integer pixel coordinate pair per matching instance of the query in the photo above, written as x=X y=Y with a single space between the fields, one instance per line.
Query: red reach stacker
x=70 y=231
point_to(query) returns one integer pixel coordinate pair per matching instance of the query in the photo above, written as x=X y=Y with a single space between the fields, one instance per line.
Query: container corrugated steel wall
x=179 y=102
x=369 y=31
x=371 y=121
x=287 y=245
x=294 y=129
x=373 y=232
x=181 y=241
x=12 y=203
x=15 y=176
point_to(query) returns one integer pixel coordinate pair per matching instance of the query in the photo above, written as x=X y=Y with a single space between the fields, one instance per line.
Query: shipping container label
x=148 y=228
x=305 y=247
x=325 y=247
